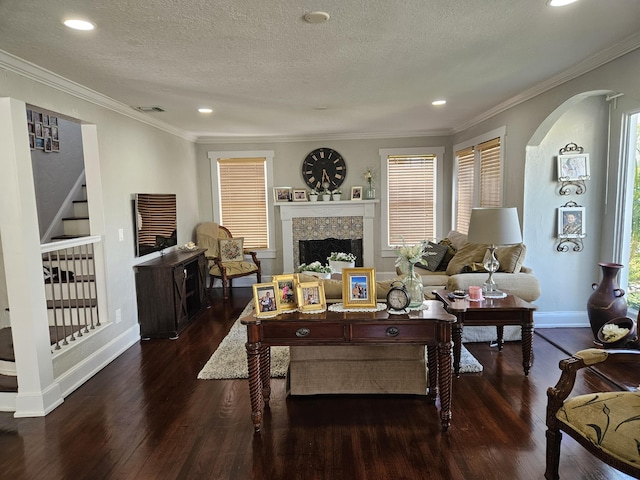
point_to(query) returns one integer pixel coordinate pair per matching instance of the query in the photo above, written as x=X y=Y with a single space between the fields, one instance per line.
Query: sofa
x=401 y=369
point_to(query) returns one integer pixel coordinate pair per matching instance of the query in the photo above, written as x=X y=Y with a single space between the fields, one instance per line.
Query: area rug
x=229 y=361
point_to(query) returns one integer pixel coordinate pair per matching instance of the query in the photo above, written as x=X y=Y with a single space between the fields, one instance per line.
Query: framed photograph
x=573 y=167
x=286 y=292
x=38 y=130
x=46 y=132
x=39 y=143
x=37 y=116
x=54 y=133
x=358 y=287
x=571 y=222
x=281 y=194
x=310 y=297
x=265 y=299
x=47 y=144
x=356 y=193
x=55 y=146
x=32 y=128
x=32 y=141
x=299 y=195
x=53 y=121
x=29 y=116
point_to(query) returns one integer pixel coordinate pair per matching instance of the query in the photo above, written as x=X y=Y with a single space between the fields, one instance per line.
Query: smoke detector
x=316 y=17
x=149 y=109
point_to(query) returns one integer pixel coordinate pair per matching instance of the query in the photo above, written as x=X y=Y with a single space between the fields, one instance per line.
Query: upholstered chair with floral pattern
x=607 y=424
x=226 y=256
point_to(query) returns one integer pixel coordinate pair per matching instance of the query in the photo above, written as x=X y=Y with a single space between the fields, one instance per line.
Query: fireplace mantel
x=344 y=208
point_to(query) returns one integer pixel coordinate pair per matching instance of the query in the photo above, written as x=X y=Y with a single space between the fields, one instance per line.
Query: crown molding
x=605 y=56
x=210 y=140
x=50 y=79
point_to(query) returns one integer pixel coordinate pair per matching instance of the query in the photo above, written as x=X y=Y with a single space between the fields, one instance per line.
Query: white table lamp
x=494 y=226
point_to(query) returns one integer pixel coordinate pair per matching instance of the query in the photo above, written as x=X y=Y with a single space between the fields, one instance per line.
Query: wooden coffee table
x=499 y=312
x=431 y=327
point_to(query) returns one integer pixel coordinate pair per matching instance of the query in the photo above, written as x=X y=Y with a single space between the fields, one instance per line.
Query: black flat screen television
x=155 y=222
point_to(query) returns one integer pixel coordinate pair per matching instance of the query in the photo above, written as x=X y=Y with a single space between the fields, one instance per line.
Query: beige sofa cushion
x=470 y=258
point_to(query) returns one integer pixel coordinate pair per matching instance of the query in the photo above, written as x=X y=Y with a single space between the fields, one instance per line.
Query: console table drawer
x=298 y=332
x=392 y=332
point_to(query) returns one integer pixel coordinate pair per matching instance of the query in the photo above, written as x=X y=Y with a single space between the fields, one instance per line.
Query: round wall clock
x=324 y=168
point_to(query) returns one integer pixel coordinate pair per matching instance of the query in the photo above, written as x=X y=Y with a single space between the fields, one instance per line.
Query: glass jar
x=370 y=192
x=413 y=283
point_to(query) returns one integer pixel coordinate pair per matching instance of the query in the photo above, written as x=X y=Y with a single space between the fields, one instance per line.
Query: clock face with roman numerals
x=324 y=168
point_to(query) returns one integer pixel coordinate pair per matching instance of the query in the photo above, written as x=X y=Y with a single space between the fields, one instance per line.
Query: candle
x=475 y=294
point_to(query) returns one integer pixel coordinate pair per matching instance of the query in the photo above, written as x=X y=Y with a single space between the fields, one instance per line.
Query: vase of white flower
x=315 y=269
x=370 y=191
x=408 y=256
x=339 y=260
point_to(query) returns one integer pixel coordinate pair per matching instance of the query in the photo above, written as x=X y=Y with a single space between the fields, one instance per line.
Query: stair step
x=8 y=383
x=80 y=208
x=6 y=345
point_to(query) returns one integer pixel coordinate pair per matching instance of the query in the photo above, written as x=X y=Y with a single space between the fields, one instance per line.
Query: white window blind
x=464 y=188
x=243 y=199
x=411 y=198
x=490 y=174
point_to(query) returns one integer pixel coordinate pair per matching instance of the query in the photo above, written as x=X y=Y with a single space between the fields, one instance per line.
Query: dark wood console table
x=497 y=312
x=170 y=291
x=431 y=327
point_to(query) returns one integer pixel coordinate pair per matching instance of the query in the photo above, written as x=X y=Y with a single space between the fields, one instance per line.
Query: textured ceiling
x=372 y=69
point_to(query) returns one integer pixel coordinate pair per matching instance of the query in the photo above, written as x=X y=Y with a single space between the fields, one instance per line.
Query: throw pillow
x=458 y=240
x=511 y=257
x=467 y=255
x=433 y=255
x=451 y=251
x=231 y=249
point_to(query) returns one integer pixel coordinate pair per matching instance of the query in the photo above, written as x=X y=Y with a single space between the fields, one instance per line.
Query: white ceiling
x=374 y=67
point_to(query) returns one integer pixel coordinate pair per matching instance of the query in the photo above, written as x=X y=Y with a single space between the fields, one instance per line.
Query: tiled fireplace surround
x=319 y=220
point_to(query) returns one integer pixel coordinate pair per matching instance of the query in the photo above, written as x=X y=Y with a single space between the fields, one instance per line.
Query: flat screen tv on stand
x=155 y=222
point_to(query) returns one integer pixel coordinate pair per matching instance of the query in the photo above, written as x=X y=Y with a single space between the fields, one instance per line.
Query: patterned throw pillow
x=433 y=255
x=231 y=249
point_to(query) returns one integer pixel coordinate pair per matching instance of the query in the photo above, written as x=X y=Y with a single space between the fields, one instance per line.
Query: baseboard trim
x=77 y=376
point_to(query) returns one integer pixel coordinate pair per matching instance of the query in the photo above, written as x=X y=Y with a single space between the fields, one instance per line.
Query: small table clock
x=398 y=298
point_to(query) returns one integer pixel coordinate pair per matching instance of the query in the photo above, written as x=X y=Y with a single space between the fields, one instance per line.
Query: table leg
x=500 y=332
x=527 y=346
x=457 y=346
x=265 y=373
x=432 y=357
x=255 y=385
x=444 y=380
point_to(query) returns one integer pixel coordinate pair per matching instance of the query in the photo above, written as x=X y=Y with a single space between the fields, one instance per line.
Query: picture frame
x=286 y=291
x=53 y=121
x=299 y=195
x=359 y=287
x=265 y=299
x=571 y=222
x=281 y=194
x=38 y=129
x=45 y=119
x=39 y=143
x=573 y=166
x=55 y=145
x=356 y=193
x=29 y=115
x=32 y=141
x=47 y=144
x=310 y=297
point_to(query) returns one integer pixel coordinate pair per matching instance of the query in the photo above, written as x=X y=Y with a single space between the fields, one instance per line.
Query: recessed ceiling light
x=438 y=102
x=78 y=24
x=316 y=17
x=205 y=110
x=560 y=3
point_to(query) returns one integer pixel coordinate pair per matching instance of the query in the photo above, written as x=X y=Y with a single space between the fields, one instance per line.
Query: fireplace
x=345 y=220
x=319 y=250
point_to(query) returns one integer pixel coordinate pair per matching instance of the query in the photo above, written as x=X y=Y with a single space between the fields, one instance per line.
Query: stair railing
x=72 y=296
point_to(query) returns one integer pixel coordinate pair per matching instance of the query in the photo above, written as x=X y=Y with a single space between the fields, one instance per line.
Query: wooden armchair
x=607 y=424
x=225 y=255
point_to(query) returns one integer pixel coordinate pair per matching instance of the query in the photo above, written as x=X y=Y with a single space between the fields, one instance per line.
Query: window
x=477 y=177
x=410 y=209
x=240 y=200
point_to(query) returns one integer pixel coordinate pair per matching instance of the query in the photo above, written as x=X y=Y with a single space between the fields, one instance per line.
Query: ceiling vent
x=150 y=109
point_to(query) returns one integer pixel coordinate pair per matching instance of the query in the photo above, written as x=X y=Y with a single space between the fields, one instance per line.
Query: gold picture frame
x=310 y=296
x=286 y=291
x=265 y=299
x=359 y=287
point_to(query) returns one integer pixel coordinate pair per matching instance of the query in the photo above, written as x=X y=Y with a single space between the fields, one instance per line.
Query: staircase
x=69 y=277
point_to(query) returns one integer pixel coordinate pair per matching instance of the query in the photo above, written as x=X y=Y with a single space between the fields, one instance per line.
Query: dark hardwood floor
x=146 y=416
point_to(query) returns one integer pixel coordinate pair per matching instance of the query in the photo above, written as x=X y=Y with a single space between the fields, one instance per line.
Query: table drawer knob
x=302 y=332
x=393 y=331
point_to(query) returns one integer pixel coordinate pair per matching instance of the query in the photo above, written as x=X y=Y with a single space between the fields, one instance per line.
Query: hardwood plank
x=146 y=416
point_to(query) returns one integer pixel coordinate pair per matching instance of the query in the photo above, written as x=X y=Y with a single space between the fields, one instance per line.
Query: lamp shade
x=494 y=226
